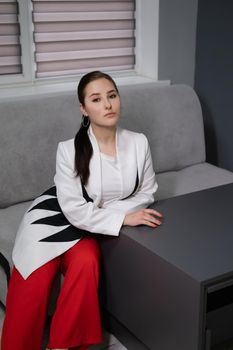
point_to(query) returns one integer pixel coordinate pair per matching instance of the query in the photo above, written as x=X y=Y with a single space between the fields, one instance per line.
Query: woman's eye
x=97 y=99
x=113 y=96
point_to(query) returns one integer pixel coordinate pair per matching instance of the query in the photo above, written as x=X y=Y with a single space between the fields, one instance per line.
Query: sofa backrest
x=171 y=118
x=31 y=127
x=30 y=131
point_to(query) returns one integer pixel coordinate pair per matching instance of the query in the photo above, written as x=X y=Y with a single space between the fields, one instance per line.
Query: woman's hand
x=148 y=217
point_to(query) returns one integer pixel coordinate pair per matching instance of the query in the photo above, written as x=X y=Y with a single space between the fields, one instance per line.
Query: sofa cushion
x=191 y=179
x=10 y=219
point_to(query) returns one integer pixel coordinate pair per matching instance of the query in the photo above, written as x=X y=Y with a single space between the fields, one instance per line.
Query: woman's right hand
x=148 y=217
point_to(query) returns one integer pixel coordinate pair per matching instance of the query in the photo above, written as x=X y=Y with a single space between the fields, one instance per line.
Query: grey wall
x=214 y=77
x=177 y=40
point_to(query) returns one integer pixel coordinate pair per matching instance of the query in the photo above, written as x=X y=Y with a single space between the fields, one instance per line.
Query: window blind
x=10 y=52
x=77 y=36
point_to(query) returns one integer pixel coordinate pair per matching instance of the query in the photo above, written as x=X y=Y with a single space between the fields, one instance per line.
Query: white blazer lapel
x=94 y=185
x=126 y=152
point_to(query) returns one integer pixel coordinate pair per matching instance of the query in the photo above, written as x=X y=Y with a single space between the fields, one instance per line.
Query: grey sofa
x=31 y=128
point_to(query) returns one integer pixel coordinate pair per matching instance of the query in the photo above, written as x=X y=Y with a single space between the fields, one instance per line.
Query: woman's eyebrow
x=98 y=93
x=95 y=93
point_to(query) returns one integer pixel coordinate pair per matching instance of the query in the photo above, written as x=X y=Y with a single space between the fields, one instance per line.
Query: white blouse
x=111 y=179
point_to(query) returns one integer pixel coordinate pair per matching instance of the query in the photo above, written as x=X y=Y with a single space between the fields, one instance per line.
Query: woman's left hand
x=148 y=217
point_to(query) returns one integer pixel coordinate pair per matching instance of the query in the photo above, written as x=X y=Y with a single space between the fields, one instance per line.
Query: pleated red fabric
x=76 y=322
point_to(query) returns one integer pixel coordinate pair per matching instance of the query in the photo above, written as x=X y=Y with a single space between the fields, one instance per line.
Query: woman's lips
x=110 y=114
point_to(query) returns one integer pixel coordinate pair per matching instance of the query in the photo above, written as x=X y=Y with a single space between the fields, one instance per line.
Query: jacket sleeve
x=80 y=213
x=144 y=195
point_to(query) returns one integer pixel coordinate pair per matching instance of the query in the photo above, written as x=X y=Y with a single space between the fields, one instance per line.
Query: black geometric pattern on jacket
x=6 y=267
x=70 y=233
x=4 y=263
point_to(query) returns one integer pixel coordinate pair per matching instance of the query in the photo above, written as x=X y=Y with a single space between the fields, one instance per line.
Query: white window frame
x=146 y=52
x=147 y=21
x=26 y=42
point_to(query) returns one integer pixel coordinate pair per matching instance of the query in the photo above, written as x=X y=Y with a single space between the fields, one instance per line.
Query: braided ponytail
x=83 y=153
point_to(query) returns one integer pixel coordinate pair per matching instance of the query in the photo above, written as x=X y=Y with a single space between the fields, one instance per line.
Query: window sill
x=48 y=86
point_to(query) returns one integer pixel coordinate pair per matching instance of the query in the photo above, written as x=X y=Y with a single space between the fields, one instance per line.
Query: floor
x=110 y=342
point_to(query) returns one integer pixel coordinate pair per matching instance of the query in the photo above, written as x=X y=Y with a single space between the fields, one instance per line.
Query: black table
x=172 y=287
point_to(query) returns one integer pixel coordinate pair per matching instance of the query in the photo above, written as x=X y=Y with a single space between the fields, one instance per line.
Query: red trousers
x=76 y=321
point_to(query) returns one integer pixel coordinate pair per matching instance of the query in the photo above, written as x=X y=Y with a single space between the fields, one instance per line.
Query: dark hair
x=82 y=144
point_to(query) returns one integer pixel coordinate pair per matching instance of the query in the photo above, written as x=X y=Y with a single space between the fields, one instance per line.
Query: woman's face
x=101 y=103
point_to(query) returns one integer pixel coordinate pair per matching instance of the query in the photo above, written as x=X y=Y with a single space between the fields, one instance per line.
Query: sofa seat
x=10 y=219
x=191 y=179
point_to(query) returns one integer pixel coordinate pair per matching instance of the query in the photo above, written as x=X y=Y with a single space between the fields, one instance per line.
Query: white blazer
x=34 y=245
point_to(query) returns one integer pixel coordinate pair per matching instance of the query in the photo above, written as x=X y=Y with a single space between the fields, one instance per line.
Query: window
x=72 y=37
x=10 y=50
x=60 y=40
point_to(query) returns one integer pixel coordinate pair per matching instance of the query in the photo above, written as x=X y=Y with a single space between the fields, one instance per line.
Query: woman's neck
x=106 y=138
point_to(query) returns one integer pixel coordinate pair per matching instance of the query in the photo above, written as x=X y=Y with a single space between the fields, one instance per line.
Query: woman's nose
x=108 y=104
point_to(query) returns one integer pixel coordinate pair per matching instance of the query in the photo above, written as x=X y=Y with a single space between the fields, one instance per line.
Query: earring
x=85 y=121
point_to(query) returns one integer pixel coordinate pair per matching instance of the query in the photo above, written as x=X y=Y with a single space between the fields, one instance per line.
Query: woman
x=104 y=179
